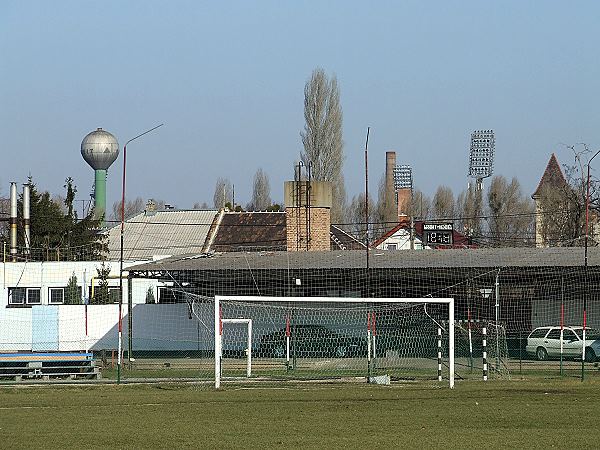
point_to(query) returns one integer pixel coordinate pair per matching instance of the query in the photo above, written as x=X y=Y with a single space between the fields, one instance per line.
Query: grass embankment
x=507 y=414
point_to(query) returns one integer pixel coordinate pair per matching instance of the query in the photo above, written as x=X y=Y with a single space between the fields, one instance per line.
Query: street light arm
x=140 y=135
x=124 y=165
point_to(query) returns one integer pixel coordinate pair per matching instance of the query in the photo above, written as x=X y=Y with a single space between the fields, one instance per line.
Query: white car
x=544 y=343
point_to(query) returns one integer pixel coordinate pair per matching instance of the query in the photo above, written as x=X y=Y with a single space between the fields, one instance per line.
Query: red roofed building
x=398 y=238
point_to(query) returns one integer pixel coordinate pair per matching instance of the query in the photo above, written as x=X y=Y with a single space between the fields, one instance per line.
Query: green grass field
x=498 y=414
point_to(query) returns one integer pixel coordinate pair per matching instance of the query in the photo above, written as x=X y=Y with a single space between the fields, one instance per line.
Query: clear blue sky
x=227 y=80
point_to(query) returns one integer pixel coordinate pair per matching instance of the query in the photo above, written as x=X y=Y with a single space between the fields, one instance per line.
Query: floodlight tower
x=403 y=185
x=481 y=156
x=100 y=149
x=403 y=178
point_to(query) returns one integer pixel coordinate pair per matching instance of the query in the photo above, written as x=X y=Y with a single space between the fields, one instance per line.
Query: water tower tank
x=100 y=149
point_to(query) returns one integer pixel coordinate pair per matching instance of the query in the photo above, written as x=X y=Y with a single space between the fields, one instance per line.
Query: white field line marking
x=8 y=408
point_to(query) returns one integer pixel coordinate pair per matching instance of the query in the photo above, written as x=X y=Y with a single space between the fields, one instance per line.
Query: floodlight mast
x=403 y=178
x=481 y=156
x=403 y=181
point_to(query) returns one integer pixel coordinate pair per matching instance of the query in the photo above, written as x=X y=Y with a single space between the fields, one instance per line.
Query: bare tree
x=199 y=205
x=261 y=192
x=469 y=209
x=561 y=203
x=380 y=209
x=322 y=136
x=420 y=207
x=132 y=207
x=356 y=217
x=510 y=213
x=443 y=203
x=562 y=216
x=223 y=193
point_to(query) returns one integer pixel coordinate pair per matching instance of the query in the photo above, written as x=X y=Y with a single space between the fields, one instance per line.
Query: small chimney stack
x=26 y=219
x=13 y=220
x=308 y=215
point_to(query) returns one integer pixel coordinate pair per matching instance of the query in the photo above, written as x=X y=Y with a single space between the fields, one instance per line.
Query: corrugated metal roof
x=163 y=233
x=382 y=259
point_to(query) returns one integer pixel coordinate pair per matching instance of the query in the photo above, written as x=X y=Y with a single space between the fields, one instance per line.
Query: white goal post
x=219 y=320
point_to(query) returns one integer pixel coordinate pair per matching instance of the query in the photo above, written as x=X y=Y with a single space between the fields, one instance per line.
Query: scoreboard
x=438 y=233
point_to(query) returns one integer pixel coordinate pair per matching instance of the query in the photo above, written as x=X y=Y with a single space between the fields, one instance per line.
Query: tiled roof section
x=389 y=234
x=340 y=240
x=248 y=231
x=553 y=177
x=170 y=232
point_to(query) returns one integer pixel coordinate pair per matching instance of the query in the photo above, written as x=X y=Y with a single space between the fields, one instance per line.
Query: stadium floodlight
x=332 y=336
x=481 y=156
x=403 y=178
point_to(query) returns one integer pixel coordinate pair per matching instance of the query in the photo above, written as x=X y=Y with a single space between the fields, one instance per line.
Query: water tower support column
x=100 y=195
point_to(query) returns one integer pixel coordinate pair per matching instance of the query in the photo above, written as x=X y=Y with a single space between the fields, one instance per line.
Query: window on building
x=16 y=296
x=34 y=296
x=392 y=247
x=114 y=294
x=56 y=295
x=20 y=296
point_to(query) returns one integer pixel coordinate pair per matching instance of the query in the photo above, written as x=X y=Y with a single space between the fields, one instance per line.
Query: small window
x=554 y=334
x=16 y=296
x=568 y=335
x=392 y=247
x=56 y=295
x=539 y=333
x=114 y=294
x=34 y=296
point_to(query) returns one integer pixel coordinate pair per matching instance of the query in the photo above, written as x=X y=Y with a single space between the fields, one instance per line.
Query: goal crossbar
x=330 y=300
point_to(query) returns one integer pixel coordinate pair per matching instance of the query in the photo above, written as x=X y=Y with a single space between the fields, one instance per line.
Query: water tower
x=100 y=149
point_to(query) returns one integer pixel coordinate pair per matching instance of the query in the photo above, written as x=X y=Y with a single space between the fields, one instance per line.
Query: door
x=571 y=344
x=44 y=328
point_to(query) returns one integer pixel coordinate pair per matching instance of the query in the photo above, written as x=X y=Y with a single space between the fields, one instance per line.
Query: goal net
x=378 y=339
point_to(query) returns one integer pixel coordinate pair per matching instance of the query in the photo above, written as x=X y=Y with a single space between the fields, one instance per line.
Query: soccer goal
x=333 y=337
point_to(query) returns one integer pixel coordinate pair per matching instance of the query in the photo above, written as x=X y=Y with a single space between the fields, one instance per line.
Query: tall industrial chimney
x=26 y=221
x=391 y=210
x=100 y=149
x=13 y=220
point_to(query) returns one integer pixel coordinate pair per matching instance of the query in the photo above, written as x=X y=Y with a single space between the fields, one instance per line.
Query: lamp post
x=585 y=261
x=129 y=307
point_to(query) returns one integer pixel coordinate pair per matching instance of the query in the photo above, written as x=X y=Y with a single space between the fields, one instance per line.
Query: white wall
x=401 y=239
x=45 y=275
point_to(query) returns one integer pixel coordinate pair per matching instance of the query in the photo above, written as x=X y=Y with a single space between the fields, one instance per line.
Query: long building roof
x=380 y=259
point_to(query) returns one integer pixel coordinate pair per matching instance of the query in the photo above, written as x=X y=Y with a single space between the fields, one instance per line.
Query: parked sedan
x=312 y=341
x=544 y=343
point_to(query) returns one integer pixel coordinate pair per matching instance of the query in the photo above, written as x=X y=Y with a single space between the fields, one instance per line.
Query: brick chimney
x=391 y=210
x=308 y=215
x=404 y=197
